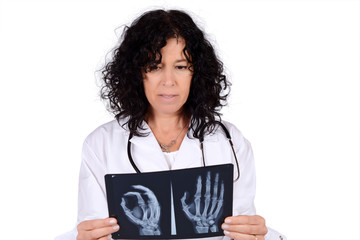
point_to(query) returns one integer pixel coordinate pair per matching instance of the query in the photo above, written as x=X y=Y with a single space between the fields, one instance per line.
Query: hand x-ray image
x=188 y=203
x=202 y=199
x=207 y=218
x=139 y=202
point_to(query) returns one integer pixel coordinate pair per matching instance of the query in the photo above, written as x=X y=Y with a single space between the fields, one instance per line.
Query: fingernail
x=116 y=227
x=227 y=220
x=224 y=226
x=112 y=221
x=226 y=232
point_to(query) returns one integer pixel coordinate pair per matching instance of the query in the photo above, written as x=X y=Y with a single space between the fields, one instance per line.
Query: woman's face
x=167 y=84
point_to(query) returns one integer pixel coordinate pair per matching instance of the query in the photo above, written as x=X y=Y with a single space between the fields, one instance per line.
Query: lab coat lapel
x=189 y=155
x=147 y=153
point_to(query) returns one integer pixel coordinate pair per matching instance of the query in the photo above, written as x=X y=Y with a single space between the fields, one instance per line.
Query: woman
x=164 y=85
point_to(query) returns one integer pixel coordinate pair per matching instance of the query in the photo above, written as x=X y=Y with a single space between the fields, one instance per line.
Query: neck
x=164 y=124
x=169 y=130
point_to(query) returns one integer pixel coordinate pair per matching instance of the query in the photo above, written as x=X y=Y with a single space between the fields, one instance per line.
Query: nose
x=168 y=78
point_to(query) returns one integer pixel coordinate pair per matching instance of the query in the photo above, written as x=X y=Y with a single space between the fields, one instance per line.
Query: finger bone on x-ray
x=146 y=214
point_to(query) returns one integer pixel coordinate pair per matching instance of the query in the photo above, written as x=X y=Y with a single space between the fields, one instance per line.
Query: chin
x=167 y=111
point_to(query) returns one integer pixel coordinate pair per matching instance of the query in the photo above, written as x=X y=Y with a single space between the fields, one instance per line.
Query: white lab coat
x=105 y=152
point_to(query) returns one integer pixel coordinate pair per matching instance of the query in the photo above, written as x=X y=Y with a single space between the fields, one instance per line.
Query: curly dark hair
x=141 y=47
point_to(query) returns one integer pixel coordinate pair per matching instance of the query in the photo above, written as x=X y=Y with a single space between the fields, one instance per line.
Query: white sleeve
x=274 y=235
x=245 y=186
x=92 y=202
x=68 y=236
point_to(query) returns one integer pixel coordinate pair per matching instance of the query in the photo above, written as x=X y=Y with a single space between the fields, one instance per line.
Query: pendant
x=166 y=148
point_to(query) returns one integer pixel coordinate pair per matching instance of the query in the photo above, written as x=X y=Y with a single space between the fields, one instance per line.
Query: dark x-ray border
x=199 y=198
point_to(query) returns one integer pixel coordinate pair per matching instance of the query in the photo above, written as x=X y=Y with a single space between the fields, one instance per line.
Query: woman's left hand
x=245 y=227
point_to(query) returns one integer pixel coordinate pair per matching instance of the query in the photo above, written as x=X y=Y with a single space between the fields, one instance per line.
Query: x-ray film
x=188 y=203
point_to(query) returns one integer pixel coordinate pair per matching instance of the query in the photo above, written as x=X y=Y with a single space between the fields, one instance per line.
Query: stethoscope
x=201 y=139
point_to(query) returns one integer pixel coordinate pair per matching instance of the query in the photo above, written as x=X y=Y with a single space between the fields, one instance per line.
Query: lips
x=168 y=97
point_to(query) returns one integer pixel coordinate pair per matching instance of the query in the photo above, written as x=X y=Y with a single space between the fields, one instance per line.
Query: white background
x=295 y=72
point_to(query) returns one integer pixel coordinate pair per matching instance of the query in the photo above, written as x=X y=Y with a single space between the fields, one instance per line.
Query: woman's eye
x=181 y=67
x=153 y=68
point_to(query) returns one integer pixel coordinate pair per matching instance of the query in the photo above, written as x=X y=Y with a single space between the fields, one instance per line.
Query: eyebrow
x=181 y=60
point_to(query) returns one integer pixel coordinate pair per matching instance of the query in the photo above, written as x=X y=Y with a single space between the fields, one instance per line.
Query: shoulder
x=106 y=132
x=236 y=135
x=234 y=132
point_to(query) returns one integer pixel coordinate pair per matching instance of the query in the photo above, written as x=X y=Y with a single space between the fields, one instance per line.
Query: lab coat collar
x=189 y=154
x=148 y=139
x=146 y=152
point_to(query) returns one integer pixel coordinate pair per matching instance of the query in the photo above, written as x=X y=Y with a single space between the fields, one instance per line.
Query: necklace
x=166 y=148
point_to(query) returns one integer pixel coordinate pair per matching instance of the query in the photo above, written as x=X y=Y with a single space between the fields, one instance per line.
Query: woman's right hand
x=98 y=229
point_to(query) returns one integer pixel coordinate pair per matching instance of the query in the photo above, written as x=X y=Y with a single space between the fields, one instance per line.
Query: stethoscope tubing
x=201 y=139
